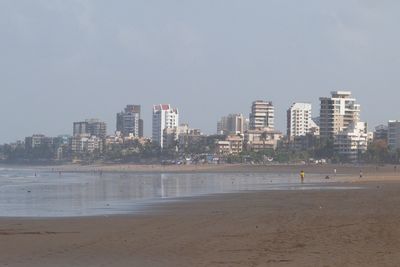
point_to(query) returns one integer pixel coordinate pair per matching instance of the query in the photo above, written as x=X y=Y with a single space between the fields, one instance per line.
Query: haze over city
x=64 y=61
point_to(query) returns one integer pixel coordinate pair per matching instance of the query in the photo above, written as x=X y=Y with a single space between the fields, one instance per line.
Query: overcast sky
x=67 y=60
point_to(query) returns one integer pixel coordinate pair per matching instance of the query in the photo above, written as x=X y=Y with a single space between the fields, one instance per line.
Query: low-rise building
x=222 y=148
x=232 y=145
x=182 y=137
x=262 y=139
x=85 y=143
x=38 y=140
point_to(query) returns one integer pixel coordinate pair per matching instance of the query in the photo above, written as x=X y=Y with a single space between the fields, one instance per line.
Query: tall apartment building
x=262 y=115
x=337 y=113
x=92 y=127
x=164 y=117
x=381 y=133
x=97 y=128
x=129 y=121
x=352 y=141
x=80 y=127
x=394 y=135
x=231 y=124
x=299 y=120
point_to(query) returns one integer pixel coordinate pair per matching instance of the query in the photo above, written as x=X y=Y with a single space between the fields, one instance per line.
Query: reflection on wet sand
x=29 y=193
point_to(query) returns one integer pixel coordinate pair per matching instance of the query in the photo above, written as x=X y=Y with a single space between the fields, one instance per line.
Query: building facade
x=164 y=117
x=97 y=128
x=393 y=135
x=232 y=145
x=92 y=127
x=262 y=115
x=231 y=124
x=337 y=113
x=129 y=121
x=299 y=120
x=37 y=141
x=352 y=142
x=85 y=143
x=262 y=139
x=182 y=137
x=80 y=127
x=381 y=133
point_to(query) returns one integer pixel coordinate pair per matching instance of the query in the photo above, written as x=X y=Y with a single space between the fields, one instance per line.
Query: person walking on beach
x=302 y=175
x=361 y=174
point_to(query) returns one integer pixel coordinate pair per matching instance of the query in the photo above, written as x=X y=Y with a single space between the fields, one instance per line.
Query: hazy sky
x=67 y=60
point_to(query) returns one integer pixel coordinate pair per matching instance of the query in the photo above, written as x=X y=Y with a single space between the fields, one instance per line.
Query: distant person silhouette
x=302 y=175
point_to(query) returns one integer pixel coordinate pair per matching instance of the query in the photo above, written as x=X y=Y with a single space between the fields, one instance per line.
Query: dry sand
x=272 y=228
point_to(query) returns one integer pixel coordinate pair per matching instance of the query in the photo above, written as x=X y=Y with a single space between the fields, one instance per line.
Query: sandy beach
x=271 y=228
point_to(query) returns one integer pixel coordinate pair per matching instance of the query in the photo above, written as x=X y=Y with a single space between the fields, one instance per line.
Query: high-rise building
x=381 y=133
x=352 y=141
x=93 y=127
x=262 y=115
x=394 y=135
x=97 y=128
x=80 y=128
x=129 y=121
x=163 y=117
x=337 y=113
x=299 y=120
x=231 y=124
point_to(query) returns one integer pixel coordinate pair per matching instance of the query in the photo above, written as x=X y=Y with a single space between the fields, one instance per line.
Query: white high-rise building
x=337 y=113
x=262 y=115
x=352 y=142
x=299 y=120
x=164 y=117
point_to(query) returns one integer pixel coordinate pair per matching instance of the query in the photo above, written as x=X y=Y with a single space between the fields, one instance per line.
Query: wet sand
x=272 y=228
x=215 y=168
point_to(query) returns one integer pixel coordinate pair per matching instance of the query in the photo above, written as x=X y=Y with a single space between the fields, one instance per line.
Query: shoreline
x=223 y=168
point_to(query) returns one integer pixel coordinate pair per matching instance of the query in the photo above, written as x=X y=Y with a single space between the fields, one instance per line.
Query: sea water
x=32 y=192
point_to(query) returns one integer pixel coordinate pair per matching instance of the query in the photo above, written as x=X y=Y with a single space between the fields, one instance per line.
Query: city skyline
x=112 y=128
x=67 y=60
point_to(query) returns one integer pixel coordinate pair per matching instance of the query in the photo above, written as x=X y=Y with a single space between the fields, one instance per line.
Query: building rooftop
x=162 y=107
x=341 y=93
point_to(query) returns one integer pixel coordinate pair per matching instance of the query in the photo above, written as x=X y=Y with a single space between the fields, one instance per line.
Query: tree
x=377 y=152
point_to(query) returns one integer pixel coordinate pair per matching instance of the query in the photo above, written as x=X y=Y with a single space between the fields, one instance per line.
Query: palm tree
x=263 y=138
